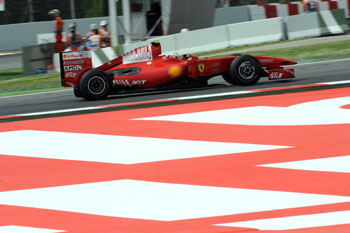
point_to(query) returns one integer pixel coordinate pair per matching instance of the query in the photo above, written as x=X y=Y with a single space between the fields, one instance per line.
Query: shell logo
x=175 y=71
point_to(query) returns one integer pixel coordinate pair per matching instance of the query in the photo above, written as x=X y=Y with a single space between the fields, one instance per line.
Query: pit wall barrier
x=303 y=26
x=345 y=4
x=256 y=32
x=229 y=15
x=257 y=12
x=316 y=24
x=220 y=37
x=332 y=22
x=252 y=32
x=37 y=58
x=296 y=8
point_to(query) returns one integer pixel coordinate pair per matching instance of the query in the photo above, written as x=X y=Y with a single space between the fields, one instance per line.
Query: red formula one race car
x=146 y=69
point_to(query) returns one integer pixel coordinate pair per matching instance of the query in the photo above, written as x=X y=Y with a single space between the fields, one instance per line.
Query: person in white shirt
x=105 y=34
x=93 y=39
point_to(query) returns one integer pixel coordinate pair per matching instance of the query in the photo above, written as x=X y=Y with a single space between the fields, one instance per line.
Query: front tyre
x=94 y=85
x=244 y=70
x=77 y=92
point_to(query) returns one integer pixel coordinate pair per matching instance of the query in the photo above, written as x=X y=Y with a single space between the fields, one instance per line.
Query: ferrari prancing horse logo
x=201 y=67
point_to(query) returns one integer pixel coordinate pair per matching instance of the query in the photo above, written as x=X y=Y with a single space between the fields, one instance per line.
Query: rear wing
x=73 y=65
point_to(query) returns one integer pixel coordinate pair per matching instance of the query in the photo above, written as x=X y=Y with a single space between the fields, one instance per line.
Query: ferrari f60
x=145 y=68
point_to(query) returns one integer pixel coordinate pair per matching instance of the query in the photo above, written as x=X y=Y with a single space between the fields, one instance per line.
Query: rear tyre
x=244 y=70
x=227 y=78
x=95 y=85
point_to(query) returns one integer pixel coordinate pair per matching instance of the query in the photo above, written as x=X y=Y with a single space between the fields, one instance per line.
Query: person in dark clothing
x=311 y=6
x=153 y=15
x=74 y=39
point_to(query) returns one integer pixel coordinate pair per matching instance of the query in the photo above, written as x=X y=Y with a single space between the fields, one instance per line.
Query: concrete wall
x=219 y=37
x=257 y=12
x=256 y=32
x=205 y=39
x=282 y=10
x=251 y=32
x=36 y=57
x=316 y=24
x=302 y=26
x=229 y=15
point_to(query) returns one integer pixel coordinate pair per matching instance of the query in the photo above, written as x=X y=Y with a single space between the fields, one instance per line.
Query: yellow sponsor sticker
x=201 y=67
x=175 y=71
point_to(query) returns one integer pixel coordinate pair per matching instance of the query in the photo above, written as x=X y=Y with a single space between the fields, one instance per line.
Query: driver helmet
x=175 y=55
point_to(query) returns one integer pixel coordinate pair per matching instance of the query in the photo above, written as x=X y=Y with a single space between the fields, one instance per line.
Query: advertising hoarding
x=2 y=5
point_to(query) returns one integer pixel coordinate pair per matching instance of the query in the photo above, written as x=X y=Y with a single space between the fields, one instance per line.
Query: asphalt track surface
x=311 y=73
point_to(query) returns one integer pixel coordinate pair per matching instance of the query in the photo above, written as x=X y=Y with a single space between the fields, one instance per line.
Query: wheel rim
x=246 y=70
x=96 y=85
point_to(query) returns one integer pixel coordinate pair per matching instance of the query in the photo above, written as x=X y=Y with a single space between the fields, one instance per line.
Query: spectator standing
x=105 y=34
x=74 y=39
x=93 y=27
x=93 y=39
x=311 y=6
x=59 y=45
x=304 y=2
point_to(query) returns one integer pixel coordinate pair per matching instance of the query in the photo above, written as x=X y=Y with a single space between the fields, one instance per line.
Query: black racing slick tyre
x=227 y=78
x=95 y=85
x=77 y=92
x=244 y=70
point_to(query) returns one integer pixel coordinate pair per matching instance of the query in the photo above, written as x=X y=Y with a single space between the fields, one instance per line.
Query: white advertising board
x=45 y=38
x=2 y=5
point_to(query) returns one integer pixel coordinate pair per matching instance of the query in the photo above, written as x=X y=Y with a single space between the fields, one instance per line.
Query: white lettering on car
x=126 y=83
x=138 y=82
x=72 y=62
x=70 y=75
x=76 y=55
x=276 y=75
x=266 y=60
x=70 y=68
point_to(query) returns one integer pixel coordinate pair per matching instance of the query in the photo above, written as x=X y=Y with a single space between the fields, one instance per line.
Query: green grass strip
x=317 y=51
x=13 y=82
